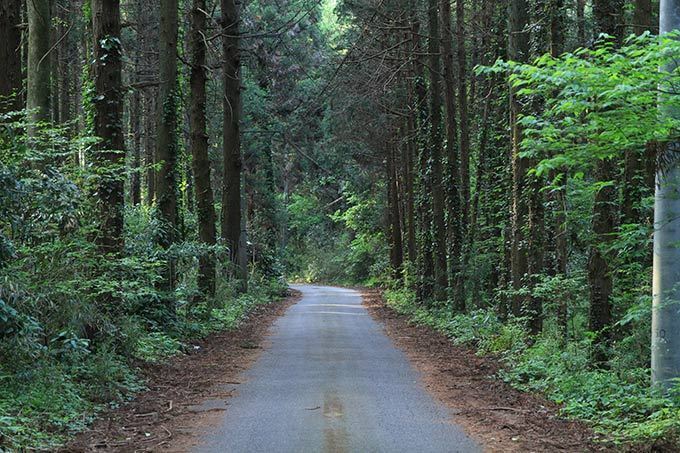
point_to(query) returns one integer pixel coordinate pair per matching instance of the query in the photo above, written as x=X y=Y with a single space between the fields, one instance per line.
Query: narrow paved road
x=333 y=382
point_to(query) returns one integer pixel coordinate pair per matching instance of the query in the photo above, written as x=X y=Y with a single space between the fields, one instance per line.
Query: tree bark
x=136 y=164
x=166 y=139
x=199 y=149
x=38 y=70
x=10 y=55
x=232 y=231
x=518 y=50
x=410 y=151
x=581 y=22
x=435 y=144
x=108 y=123
x=643 y=17
x=150 y=146
x=393 y=211
x=425 y=261
x=463 y=114
x=455 y=216
x=608 y=20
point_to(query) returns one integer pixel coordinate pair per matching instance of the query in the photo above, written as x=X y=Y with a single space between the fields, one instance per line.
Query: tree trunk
x=425 y=262
x=643 y=17
x=65 y=69
x=38 y=71
x=608 y=20
x=463 y=112
x=639 y=167
x=435 y=144
x=108 y=122
x=666 y=279
x=393 y=213
x=136 y=164
x=518 y=50
x=559 y=195
x=455 y=222
x=199 y=148
x=410 y=151
x=166 y=139
x=581 y=22
x=231 y=180
x=609 y=17
x=10 y=54
x=150 y=146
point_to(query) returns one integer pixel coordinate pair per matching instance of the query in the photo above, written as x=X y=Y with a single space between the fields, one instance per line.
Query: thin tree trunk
x=435 y=144
x=38 y=71
x=231 y=192
x=10 y=54
x=393 y=211
x=643 y=17
x=409 y=150
x=108 y=122
x=463 y=113
x=557 y=24
x=637 y=169
x=608 y=19
x=199 y=148
x=150 y=146
x=455 y=222
x=518 y=50
x=135 y=130
x=425 y=261
x=581 y=22
x=64 y=68
x=166 y=140
x=54 y=57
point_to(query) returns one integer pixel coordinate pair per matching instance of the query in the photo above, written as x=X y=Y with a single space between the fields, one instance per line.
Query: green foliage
x=346 y=246
x=74 y=322
x=597 y=103
x=619 y=402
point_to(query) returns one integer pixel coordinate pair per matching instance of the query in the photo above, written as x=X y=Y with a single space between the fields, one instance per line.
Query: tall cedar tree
x=463 y=113
x=10 y=54
x=393 y=210
x=424 y=259
x=199 y=147
x=108 y=122
x=233 y=165
x=455 y=235
x=166 y=140
x=38 y=65
x=518 y=50
x=609 y=20
x=638 y=167
x=436 y=142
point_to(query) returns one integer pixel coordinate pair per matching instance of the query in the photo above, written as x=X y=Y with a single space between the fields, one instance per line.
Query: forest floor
x=501 y=418
x=163 y=417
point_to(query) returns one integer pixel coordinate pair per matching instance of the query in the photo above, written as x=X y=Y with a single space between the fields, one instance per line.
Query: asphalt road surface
x=332 y=382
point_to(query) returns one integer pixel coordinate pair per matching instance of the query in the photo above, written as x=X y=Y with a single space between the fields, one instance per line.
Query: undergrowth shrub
x=75 y=324
x=618 y=402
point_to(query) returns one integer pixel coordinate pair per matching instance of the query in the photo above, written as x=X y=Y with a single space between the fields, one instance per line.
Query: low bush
x=618 y=402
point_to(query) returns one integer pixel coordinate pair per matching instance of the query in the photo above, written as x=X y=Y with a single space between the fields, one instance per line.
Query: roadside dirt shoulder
x=168 y=416
x=501 y=418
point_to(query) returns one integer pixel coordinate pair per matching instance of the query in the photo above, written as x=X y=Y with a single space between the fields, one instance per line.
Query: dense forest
x=167 y=166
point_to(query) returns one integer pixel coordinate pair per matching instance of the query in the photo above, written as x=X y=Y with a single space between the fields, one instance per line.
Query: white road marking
x=336 y=313
x=333 y=305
